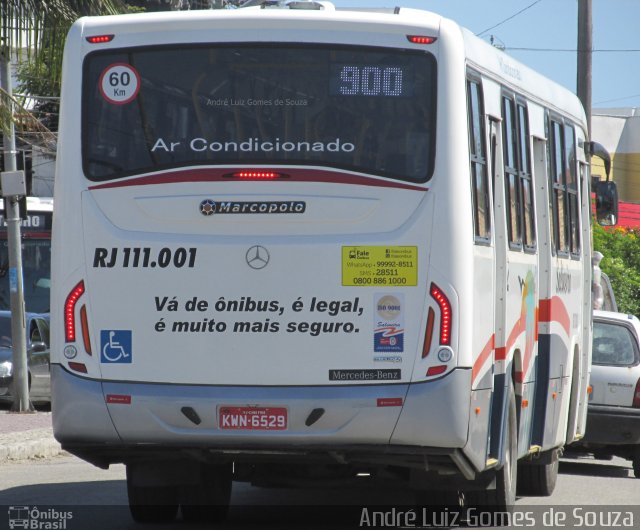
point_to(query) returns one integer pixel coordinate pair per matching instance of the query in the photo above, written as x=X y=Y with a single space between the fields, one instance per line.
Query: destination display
x=355 y=108
x=34 y=222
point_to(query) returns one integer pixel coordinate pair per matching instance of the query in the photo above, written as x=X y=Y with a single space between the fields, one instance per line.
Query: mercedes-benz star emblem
x=257 y=257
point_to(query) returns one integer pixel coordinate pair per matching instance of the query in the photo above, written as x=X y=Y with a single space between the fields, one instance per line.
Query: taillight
x=436 y=370
x=70 y=311
x=636 y=396
x=421 y=39
x=426 y=347
x=256 y=175
x=84 y=322
x=78 y=367
x=100 y=39
x=445 y=314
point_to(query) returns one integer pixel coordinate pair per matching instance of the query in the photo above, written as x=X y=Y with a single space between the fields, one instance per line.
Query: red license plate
x=252 y=418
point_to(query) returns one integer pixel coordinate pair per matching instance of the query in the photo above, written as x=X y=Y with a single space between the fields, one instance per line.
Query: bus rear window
x=363 y=109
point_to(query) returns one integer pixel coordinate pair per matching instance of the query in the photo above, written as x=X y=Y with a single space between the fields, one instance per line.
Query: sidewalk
x=26 y=435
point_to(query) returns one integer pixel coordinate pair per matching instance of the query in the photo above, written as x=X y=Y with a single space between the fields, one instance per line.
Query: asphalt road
x=587 y=491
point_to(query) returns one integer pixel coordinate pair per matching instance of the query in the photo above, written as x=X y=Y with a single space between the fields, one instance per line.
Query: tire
x=602 y=455
x=151 y=504
x=572 y=418
x=437 y=499
x=503 y=497
x=538 y=480
x=636 y=462
x=208 y=501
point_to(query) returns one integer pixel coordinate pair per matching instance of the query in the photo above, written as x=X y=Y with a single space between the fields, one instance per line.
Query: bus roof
x=481 y=55
x=490 y=60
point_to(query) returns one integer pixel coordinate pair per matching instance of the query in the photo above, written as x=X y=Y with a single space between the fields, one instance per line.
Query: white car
x=613 y=419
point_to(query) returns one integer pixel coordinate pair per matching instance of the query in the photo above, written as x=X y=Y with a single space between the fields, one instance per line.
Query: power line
x=617 y=99
x=575 y=50
x=509 y=18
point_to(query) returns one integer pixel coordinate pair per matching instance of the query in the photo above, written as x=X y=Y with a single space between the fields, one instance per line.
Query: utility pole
x=585 y=47
x=13 y=189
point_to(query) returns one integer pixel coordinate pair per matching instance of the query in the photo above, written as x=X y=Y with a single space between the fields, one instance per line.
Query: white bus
x=36 y=255
x=312 y=244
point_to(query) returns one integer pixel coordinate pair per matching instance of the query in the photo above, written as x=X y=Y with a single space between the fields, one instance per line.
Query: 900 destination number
x=144 y=257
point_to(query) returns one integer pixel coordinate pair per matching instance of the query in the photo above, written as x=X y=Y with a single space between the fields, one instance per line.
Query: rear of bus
x=252 y=251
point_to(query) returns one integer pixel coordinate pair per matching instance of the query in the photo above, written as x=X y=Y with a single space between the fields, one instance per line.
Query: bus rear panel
x=265 y=253
x=253 y=243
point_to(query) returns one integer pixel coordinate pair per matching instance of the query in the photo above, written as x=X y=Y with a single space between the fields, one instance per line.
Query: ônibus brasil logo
x=38 y=519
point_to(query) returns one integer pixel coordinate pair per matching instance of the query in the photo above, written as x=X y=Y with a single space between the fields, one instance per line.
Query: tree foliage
x=39 y=27
x=621 y=262
x=32 y=33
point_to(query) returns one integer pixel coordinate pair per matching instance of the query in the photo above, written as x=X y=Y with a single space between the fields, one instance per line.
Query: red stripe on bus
x=217 y=175
x=554 y=310
x=517 y=330
x=550 y=310
x=482 y=358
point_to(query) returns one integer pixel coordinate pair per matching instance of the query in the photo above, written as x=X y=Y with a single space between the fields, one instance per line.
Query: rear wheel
x=151 y=504
x=208 y=500
x=538 y=480
x=636 y=462
x=437 y=498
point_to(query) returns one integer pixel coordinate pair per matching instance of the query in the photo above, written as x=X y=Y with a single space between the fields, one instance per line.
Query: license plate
x=252 y=418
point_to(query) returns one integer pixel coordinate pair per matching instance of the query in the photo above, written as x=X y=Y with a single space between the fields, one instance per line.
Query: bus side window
x=557 y=188
x=570 y=172
x=565 y=203
x=512 y=190
x=478 y=163
x=526 y=179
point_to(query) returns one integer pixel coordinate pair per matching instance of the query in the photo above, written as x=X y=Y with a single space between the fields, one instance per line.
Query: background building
x=618 y=130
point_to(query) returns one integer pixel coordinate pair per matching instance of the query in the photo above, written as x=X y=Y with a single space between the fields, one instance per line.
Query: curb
x=27 y=445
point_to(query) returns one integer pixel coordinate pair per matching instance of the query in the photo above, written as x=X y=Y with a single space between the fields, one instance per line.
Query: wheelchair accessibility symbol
x=115 y=346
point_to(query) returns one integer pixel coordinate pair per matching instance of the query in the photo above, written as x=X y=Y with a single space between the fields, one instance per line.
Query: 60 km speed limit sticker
x=119 y=83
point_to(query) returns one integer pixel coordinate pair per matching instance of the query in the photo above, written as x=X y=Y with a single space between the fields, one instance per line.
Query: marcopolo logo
x=210 y=207
x=38 y=519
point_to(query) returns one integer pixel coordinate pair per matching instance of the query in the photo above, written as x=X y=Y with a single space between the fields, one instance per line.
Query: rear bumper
x=612 y=425
x=357 y=420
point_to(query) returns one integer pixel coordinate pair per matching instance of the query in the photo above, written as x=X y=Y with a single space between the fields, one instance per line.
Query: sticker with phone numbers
x=379 y=266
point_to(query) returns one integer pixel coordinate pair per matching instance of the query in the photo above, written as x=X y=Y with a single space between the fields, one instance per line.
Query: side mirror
x=596 y=149
x=38 y=347
x=606 y=203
